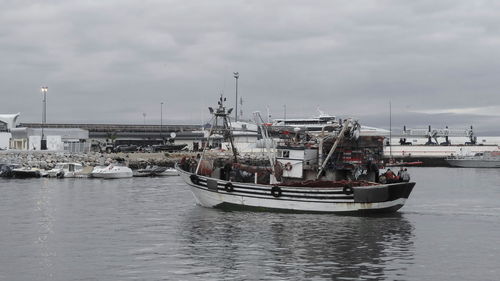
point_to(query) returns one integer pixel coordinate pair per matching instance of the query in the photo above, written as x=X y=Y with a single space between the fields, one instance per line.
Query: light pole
x=161 y=121
x=236 y=76
x=43 y=145
x=284 y=114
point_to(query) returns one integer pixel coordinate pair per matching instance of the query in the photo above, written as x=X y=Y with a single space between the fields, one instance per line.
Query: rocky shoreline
x=47 y=160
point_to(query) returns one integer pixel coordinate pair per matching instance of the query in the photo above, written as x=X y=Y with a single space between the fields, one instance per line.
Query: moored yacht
x=321 y=123
x=486 y=159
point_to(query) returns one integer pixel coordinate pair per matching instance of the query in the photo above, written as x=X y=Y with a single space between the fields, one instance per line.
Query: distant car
x=146 y=149
x=125 y=148
x=169 y=147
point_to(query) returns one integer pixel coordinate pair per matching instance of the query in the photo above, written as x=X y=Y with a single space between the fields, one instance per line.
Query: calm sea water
x=150 y=229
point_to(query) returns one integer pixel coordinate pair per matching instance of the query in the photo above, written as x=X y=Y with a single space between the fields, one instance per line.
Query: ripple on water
x=150 y=229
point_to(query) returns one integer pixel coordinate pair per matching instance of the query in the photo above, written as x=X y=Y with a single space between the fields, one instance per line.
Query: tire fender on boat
x=229 y=187
x=276 y=191
x=288 y=166
x=348 y=190
x=194 y=179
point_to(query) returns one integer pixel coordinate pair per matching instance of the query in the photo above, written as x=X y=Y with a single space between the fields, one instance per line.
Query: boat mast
x=340 y=136
x=224 y=129
x=265 y=136
x=390 y=130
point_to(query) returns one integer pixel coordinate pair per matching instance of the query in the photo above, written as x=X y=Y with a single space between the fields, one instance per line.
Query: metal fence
x=77 y=147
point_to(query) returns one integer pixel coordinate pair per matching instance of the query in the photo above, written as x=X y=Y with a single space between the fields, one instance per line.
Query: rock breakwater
x=47 y=160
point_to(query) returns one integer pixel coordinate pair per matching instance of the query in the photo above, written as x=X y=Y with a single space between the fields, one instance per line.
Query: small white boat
x=66 y=170
x=487 y=159
x=113 y=171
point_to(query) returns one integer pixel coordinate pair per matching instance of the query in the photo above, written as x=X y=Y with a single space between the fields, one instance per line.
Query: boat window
x=286 y=153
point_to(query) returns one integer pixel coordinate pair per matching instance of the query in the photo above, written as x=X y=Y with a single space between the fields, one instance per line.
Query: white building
x=58 y=139
x=7 y=122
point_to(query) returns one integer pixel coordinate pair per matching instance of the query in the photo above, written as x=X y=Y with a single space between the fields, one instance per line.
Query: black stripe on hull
x=308 y=194
x=270 y=197
x=220 y=186
x=362 y=212
x=377 y=194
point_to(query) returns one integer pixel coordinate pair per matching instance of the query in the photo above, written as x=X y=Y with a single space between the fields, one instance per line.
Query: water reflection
x=251 y=245
x=44 y=211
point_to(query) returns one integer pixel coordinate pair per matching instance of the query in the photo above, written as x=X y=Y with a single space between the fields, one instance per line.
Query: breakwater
x=47 y=160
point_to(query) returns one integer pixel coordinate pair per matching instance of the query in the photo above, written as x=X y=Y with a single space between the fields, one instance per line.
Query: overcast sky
x=112 y=61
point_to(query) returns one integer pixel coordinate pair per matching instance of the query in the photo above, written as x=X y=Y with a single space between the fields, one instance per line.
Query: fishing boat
x=335 y=173
x=486 y=159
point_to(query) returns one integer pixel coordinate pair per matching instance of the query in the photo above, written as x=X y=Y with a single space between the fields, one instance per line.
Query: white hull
x=112 y=172
x=212 y=199
x=119 y=175
x=295 y=199
x=469 y=163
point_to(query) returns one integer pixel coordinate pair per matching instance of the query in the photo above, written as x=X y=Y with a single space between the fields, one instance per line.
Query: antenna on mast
x=390 y=130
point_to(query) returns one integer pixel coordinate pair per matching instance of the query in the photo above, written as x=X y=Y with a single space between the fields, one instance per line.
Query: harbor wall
x=47 y=159
x=432 y=155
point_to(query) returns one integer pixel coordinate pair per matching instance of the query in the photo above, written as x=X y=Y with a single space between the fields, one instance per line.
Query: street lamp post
x=236 y=76
x=284 y=114
x=43 y=144
x=161 y=121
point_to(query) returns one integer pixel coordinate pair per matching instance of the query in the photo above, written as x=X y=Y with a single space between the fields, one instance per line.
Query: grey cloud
x=112 y=60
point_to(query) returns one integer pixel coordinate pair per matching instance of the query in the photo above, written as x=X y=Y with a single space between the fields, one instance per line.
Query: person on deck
x=405 y=176
x=184 y=163
x=400 y=172
x=193 y=164
x=390 y=176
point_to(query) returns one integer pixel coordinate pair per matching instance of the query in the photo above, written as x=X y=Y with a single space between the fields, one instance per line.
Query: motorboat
x=67 y=170
x=486 y=159
x=26 y=172
x=149 y=171
x=6 y=169
x=333 y=173
x=112 y=171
